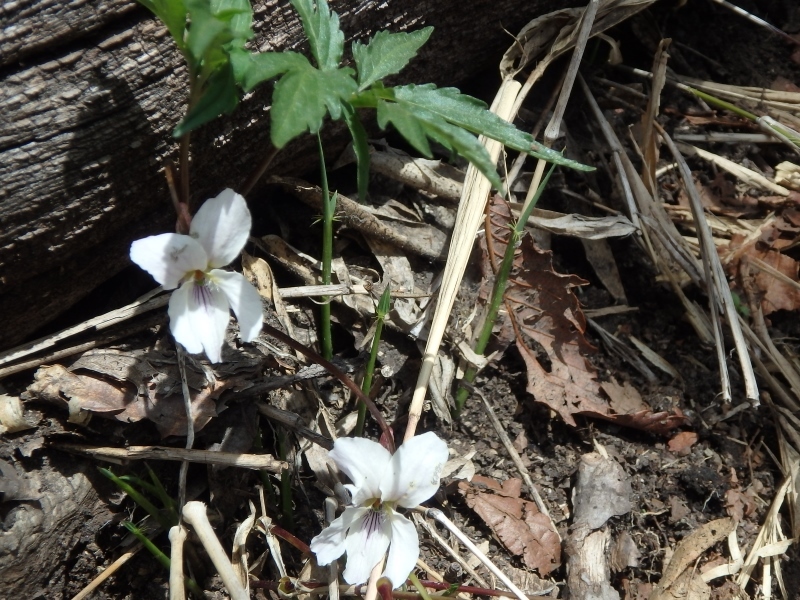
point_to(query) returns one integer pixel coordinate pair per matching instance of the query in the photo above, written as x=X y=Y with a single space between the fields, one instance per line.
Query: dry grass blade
x=468 y=219
x=716 y=283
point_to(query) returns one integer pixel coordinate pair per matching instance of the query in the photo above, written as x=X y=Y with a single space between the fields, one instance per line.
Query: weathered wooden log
x=89 y=95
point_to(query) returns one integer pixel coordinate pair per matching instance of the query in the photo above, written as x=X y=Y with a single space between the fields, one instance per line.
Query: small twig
x=372 y=584
x=251 y=181
x=195 y=515
x=140 y=306
x=438 y=515
x=515 y=458
x=447 y=548
x=333 y=568
x=207 y=457
x=339 y=374
x=718 y=281
x=103 y=340
x=295 y=423
x=758 y=21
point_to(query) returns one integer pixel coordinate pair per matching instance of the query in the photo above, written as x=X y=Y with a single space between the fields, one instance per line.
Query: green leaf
x=215 y=23
x=472 y=114
x=220 y=96
x=406 y=124
x=238 y=14
x=322 y=30
x=302 y=98
x=252 y=69
x=416 y=125
x=361 y=149
x=173 y=14
x=386 y=54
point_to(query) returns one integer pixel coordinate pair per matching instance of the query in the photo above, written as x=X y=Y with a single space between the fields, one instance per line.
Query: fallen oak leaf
x=543 y=316
x=517 y=523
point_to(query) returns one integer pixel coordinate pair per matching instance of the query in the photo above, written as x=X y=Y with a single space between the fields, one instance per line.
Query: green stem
x=720 y=103
x=328 y=208
x=366 y=386
x=137 y=497
x=498 y=292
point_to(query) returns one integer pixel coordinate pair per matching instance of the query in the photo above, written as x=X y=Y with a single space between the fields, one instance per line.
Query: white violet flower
x=381 y=482
x=199 y=310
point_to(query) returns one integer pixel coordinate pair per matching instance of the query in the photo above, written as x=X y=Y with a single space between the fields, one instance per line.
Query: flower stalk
x=328 y=210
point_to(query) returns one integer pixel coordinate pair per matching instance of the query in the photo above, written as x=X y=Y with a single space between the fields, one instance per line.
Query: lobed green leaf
x=472 y=114
x=302 y=98
x=416 y=125
x=216 y=23
x=386 y=54
x=322 y=29
x=252 y=69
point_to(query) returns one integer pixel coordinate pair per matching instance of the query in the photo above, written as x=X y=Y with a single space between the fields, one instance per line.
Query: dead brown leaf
x=682 y=442
x=739 y=504
x=544 y=317
x=517 y=523
x=157 y=399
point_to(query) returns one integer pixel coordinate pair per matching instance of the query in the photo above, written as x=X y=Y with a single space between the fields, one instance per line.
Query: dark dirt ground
x=673 y=493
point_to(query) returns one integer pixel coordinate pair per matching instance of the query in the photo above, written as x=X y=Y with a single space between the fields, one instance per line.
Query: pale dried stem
x=177 y=589
x=468 y=218
x=449 y=550
x=372 y=584
x=553 y=128
x=438 y=515
x=716 y=282
x=333 y=568
x=140 y=306
x=227 y=459
x=194 y=513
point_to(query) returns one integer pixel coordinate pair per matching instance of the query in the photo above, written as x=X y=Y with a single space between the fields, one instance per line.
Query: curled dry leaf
x=544 y=317
x=517 y=523
x=160 y=402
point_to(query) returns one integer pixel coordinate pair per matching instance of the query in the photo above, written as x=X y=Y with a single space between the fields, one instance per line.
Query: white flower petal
x=365 y=545
x=222 y=226
x=414 y=472
x=169 y=257
x=244 y=299
x=364 y=462
x=198 y=318
x=329 y=545
x=403 y=551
